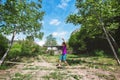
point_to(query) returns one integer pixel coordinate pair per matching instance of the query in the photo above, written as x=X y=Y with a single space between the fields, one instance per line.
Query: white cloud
x=59 y=34
x=63 y=4
x=54 y=34
x=41 y=43
x=55 y=22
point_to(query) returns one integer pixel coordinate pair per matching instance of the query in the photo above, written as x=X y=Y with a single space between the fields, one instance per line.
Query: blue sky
x=54 y=22
x=56 y=12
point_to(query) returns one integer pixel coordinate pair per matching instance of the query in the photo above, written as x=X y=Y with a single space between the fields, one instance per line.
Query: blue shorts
x=63 y=57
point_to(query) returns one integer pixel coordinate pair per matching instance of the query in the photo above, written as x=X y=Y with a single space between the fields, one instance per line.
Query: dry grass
x=81 y=67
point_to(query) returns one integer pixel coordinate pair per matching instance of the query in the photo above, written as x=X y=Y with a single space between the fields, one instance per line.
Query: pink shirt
x=64 y=50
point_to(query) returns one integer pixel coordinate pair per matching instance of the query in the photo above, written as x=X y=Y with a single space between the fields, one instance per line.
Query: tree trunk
x=115 y=44
x=11 y=42
x=108 y=39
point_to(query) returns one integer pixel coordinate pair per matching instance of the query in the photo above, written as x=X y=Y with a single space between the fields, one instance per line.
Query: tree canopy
x=98 y=19
x=50 y=41
x=21 y=16
x=92 y=14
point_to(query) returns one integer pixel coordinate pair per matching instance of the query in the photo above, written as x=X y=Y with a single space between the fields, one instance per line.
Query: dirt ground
x=43 y=70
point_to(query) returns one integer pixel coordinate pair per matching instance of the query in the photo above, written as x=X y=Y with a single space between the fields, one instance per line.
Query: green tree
x=50 y=41
x=94 y=15
x=15 y=51
x=31 y=38
x=29 y=48
x=20 y=16
x=24 y=48
x=76 y=40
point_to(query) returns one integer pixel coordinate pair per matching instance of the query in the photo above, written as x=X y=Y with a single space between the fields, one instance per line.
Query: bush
x=24 y=49
x=3 y=45
x=99 y=53
x=15 y=51
x=5 y=66
x=29 y=48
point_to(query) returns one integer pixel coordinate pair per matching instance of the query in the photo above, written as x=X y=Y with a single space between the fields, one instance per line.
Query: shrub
x=3 y=44
x=15 y=51
x=29 y=48
x=5 y=66
x=24 y=49
x=99 y=53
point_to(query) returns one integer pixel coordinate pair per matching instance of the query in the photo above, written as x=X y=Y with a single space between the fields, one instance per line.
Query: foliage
x=18 y=16
x=3 y=44
x=15 y=51
x=91 y=16
x=87 y=61
x=116 y=35
x=96 y=62
x=19 y=76
x=111 y=77
x=55 y=75
x=76 y=40
x=21 y=16
x=6 y=66
x=50 y=41
x=99 y=53
x=29 y=48
x=24 y=49
x=3 y=67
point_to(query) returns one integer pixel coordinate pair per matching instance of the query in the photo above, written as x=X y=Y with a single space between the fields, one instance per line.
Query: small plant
x=51 y=52
x=19 y=76
x=3 y=67
x=54 y=75
x=6 y=66
x=99 y=53
x=76 y=77
x=107 y=77
x=32 y=68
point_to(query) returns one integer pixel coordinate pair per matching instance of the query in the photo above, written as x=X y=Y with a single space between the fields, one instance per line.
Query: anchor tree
x=97 y=17
x=50 y=40
x=20 y=16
